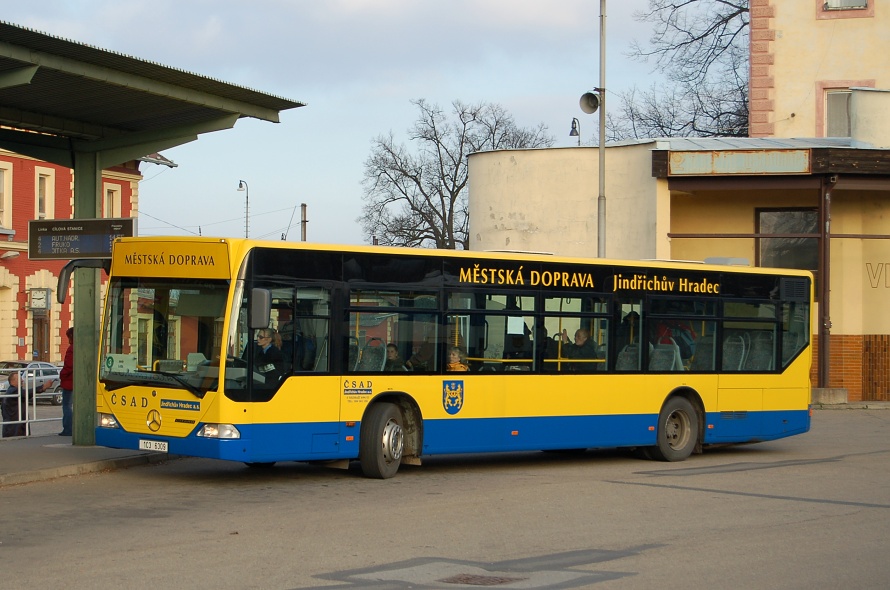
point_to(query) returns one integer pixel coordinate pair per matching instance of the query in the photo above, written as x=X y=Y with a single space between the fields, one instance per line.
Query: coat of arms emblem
x=452 y=396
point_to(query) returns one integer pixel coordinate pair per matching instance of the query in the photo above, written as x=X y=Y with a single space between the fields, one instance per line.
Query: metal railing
x=21 y=409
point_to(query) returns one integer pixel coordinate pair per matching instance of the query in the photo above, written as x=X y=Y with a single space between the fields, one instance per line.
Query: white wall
x=545 y=200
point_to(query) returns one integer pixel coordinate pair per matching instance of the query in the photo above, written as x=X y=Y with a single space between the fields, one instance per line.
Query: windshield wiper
x=182 y=381
x=115 y=381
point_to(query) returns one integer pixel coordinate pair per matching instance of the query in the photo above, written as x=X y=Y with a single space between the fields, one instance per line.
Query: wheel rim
x=393 y=441
x=677 y=430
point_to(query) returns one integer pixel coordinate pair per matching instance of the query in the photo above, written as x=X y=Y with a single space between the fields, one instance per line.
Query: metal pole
x=242 y=186
x=303 y=222
x=601 y=200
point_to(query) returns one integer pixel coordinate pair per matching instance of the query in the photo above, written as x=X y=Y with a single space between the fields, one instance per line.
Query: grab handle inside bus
x=260 y=308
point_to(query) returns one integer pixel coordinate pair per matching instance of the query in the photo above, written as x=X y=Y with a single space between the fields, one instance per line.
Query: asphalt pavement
x=48 y=456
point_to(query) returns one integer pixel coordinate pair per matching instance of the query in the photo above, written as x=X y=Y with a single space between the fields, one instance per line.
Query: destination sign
x=66 y=239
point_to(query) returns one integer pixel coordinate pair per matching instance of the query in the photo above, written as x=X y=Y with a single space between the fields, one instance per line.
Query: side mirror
x=260 y=309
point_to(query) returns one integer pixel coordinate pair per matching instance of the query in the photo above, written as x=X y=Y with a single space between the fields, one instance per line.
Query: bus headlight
x=108 y=421
x=219 y=431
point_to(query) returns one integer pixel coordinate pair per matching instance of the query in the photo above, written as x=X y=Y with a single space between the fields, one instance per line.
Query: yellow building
x=818 y=70
x=806 y=55
x=773 y=202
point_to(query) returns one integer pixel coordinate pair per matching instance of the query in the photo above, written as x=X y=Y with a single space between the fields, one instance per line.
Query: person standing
x=11 y=406
x=66 y=377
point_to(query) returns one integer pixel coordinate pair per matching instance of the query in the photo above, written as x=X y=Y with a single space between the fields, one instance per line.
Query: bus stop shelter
x=88 y=109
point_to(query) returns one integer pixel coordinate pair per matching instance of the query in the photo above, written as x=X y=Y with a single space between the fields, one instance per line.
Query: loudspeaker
x=590 y=102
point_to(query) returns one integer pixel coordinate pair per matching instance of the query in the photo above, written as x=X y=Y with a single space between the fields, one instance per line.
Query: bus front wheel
x=382 y=441
x=677 y=431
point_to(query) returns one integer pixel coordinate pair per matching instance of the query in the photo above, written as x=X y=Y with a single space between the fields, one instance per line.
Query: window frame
x=758 y=251
x=112 y=200
x=824 y=12
x=838 y=115
x=48 y=175
x=6 y=194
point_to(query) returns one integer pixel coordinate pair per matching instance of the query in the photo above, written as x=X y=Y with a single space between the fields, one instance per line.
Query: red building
x=32 y=322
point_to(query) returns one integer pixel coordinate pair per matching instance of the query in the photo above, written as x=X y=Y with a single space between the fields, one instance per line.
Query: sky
x=356 y=64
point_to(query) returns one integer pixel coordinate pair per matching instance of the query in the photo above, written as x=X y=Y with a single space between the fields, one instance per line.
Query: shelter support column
x=87 y=185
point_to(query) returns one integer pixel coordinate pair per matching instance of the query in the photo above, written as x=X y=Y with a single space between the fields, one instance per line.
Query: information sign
x=67 y=239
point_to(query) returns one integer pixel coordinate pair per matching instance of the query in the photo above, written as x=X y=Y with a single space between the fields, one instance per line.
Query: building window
x=796 y=244
x=837 y=113
x=41 y=196
x=45 y=197
x=844 y=9
x=111 y=206
x=845 y=4
x=5 y=196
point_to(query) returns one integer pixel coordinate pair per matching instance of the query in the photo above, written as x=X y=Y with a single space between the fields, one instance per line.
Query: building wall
x=860 y=268
x=725 y=212
x=799 y=50
x=546 y=201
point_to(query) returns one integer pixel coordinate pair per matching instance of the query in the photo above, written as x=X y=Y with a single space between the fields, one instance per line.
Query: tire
x=382 y=441
x=56 y=399
x=678 y=431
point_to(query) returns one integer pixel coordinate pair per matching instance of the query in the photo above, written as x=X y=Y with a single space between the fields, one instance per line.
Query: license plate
x=159 y=446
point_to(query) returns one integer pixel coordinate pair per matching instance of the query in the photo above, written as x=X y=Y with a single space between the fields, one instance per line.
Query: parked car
x=38 y=372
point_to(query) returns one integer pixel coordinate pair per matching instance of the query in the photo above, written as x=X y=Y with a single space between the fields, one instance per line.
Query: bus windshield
x=165 y=332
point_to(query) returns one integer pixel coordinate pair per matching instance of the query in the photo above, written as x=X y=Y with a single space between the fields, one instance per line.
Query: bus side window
x=310 y=325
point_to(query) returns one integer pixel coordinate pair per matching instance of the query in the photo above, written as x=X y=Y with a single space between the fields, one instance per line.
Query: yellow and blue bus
x=353 y=360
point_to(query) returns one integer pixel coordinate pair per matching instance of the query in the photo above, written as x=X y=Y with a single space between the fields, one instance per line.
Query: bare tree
x=702 y=46
x=419 y=198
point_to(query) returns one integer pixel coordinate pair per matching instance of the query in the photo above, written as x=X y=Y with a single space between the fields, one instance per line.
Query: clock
x=39 y=299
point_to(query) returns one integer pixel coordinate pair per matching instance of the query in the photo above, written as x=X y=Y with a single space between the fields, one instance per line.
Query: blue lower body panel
x=740 y=427
x=529 y=434
x=332 y=440
x=259 y=443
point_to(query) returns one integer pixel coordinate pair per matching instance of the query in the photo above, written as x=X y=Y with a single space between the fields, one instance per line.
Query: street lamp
x=242 y=186
x=590 y=103
x=576 y=130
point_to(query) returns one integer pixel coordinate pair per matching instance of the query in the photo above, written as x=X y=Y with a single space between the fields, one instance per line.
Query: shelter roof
x=689 y=144
x=54 y=85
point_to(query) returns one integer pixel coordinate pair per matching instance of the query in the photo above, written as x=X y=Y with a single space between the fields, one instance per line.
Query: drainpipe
x=828 y=184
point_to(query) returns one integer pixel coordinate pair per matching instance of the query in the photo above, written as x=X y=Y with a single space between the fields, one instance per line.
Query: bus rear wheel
x=382 y=441
x=677 y=431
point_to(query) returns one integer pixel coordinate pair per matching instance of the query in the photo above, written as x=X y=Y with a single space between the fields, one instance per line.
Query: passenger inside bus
x=422 y=359
x=457 y=360
x=394 y=362
x=582 y=348
x=518 y=346
x=628 y=331
x=544 y=346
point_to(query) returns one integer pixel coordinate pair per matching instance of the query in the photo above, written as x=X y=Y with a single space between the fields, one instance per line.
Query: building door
x=40 y=330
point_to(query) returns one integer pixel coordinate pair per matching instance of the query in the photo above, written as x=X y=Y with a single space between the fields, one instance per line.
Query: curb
x=853 y=406
x=48 y=473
